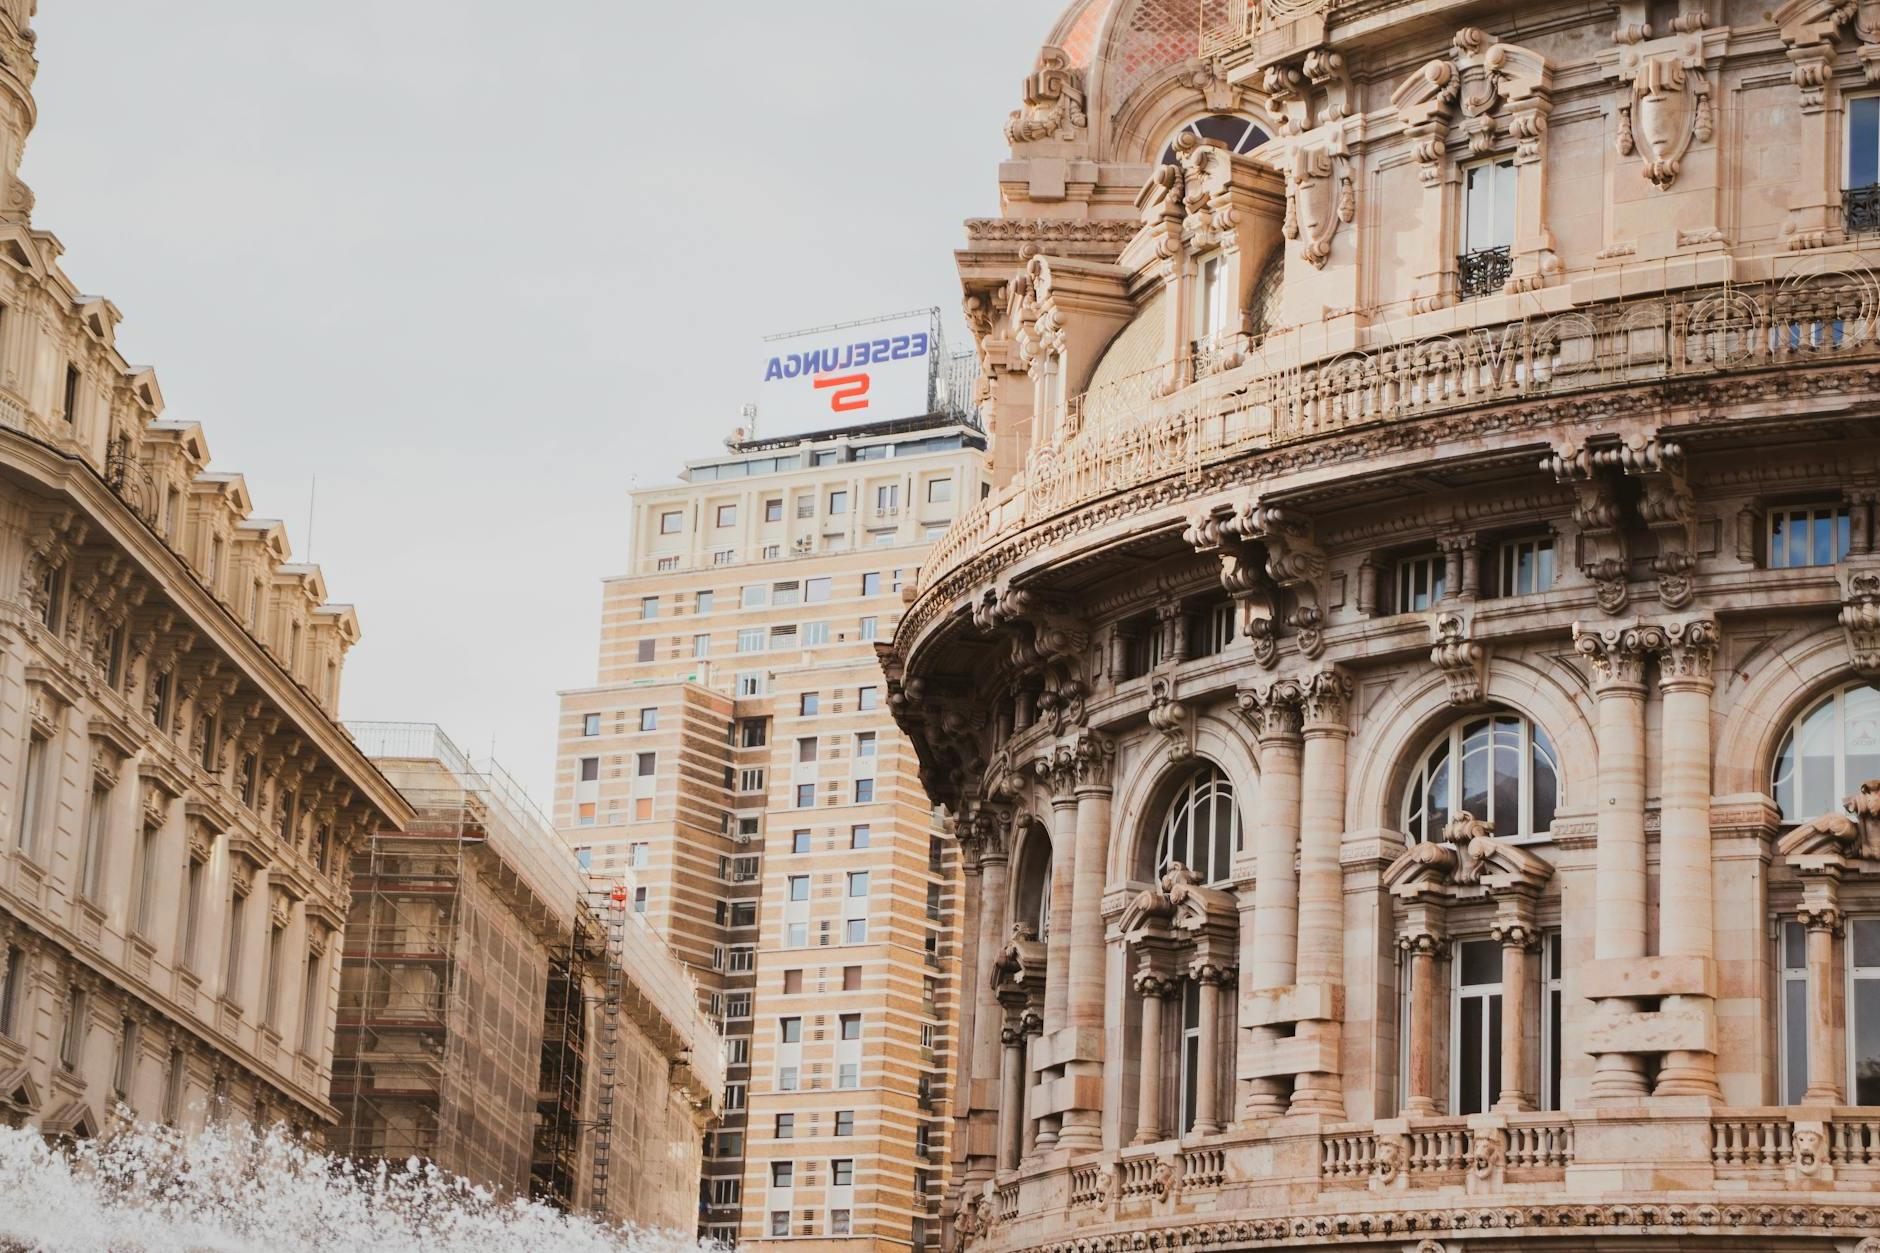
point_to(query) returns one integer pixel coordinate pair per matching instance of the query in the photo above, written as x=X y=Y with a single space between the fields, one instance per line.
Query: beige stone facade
x=176 y=801
x=1408 y=696
x=503 y=1021
x=738 y=771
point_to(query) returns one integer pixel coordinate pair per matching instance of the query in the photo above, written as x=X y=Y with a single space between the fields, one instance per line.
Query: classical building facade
x=738 y=774
x=501 y=1020
x=177 y=802
x=1409 y=699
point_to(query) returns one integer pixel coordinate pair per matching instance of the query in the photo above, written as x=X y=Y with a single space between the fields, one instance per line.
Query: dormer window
x=1487 y=258
x=1861 y=199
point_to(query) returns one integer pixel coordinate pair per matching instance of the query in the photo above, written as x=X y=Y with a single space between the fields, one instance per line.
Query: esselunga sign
x=847 y=376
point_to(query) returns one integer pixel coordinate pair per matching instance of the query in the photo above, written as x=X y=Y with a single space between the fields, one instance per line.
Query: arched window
x=1501 y=768
x=1241 y=135
x=1201 y=829
x=1828 y=753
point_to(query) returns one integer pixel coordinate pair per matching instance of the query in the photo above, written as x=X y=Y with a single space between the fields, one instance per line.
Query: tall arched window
x=1501 y=768
x=1201 y=828
x=1241 y=135
x=1828 y=753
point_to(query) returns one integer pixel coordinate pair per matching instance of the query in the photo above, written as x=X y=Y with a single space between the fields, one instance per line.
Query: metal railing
x=1484 y=272
x=1860 y=209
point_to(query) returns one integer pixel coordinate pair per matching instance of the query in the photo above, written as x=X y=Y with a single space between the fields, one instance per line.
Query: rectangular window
x=639 y=900
x=1794 y=1012
x=783 y=1174
x=865 y=744
x=773 y=510
x=702 y=602
x=192 y=911
x=591 y=724
x=782 y=637
x=796 y=935
x=815 y=633
x=839 y=1222
x=71 y=415
x=792 y=982
x=639 y=856
x=643 y=651
x=649 y=607
x=1488 y=193
x=144 y=891
x=799 y=887
x=1211 y=314
x=809 y=703
x=888 y=498
x=751 y=683
x=786 y=1126
x=838 y=502
x=1863 y=1012
x=754 y=596
x=851 y=1026
x=806 y=749
x=864 y=791
x=858 y=836
x=816 y=591
x=644 y=764
x=1419 y=583
x=727 y=1192
x=701 y=646
x=232 y=967
x=753 y=732
x=790 y=1030
x=870 y=628
x=751 y=640
x=1808 y=536
x=867 y=698
x=855 y=931
x=1526 y=567
x=667 y=563
x=32 y=794
x=845 y=1122
x=1475 y=1048
x=1552 y=1022
x=77 y=1023
x=786 y=593
x=271 y=982
x=649 y=720
x=940 y=491
x=97 y=830
x=125 y=1072
x=842 y=1172
x=780 y=1222
x=799 y=841
x=671 y=522
x=744 y=913
x=590 y=769
x=871 y=583
x=727 y=515
x=806 y=796
x=751 y=779
x=11 y=991
x=858 y=883
x=851 y=978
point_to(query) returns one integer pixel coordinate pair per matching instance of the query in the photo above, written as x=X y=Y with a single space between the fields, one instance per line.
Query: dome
x=1119 y=45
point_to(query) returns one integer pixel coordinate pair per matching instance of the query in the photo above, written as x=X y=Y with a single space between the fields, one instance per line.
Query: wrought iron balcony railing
x=1860 y=209
x=1484 y=272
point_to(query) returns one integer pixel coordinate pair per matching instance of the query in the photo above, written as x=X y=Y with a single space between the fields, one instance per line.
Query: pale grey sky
x=479 y=267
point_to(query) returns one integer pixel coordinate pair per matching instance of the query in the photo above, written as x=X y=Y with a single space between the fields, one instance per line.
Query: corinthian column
x=1273 y=953
x=1216 y=982
x=1155 y=989
x=1092 y=758
x=1519 y=940
x=1057 y=951
x=1424 y=946
x=1618 y=656
x=1822 y=921
x=1321 y=878
x=1012 y=1095
x=988 y=842
x=1685 y=929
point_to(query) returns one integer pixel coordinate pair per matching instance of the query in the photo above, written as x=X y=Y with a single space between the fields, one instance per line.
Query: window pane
x=1481 y=962
x=1865 y=941
x=1861 y=736
x=1475 y=771
x=1469 y=1059
x=1492 y=1087
x=1866 y=1046
x=1863 y=141
x=1795 y=1040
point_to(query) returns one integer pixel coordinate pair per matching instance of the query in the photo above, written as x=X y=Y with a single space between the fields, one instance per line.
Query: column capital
x=1424 y=943
x=1326 y=702
x=1056 y=769
x=1274 y=710
x=1687 y=651
x=1093 y=761
x=1820 y=917
x=1154 y=984
x=1617 y=655
x=1216 y=973
x=1516 y=933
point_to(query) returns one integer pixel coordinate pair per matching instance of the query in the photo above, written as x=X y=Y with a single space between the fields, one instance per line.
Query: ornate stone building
x=176 y=799
x=1408 y=698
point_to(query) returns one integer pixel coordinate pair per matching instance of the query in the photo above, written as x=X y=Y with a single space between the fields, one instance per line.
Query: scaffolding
x=446 y=967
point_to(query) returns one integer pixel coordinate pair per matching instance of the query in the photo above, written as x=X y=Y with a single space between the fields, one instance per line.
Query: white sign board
x=849 y=376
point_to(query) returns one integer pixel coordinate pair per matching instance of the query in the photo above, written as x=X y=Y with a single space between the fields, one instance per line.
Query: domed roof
x=1120 y=44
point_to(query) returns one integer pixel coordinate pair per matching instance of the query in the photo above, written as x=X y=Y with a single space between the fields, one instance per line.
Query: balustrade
x=1854 y=1141
x=1203 y=1168
x=1086 y=1185
x=1752 y=1142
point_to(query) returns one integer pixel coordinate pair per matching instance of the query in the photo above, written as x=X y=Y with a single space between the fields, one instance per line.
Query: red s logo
x=851 y=391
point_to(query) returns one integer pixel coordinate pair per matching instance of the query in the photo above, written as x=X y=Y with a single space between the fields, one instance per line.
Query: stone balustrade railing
x=1765 y=1140
x=1128 y=437
x=1855 y=1141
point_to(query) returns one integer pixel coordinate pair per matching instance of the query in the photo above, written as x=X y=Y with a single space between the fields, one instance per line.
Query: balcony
x=1860 y=210
x=1136 y=434
x=1741 y=1172
x=1483 y=273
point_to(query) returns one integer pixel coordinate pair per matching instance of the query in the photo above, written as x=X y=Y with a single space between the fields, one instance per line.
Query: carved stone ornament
x=1809 y=29
x=1463 y=662
x=1319 y=198
x=1667 y=106
x=1860 y=620
x=1604 y=557
x=1172 y=718
x=1054 y=101
x=1482 y=85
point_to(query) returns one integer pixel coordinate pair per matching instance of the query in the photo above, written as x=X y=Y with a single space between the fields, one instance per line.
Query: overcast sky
x=479 y=268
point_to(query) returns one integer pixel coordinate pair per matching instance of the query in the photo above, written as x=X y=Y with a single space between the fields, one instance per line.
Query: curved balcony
x=1149 y=445
x=1727 y=1178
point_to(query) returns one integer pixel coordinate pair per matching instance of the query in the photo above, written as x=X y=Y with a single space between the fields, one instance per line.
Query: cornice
x=64 y=473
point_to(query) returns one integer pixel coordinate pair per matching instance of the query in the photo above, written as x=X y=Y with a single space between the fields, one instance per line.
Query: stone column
x=1685 y=926
x=1057 y=950
x=1519 y=941
x=1216 y=982
x=1321 y=877
x=1424 y=948
x=1275 y=945
x=1092 y=758
x=1031 y=1026
x=1617 y=655
x=1012 y=1120
x=1823 y=923
x=1155 y=989
x=988 y=840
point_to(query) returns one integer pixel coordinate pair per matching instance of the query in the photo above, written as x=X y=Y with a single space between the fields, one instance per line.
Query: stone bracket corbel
x=1171 y=718
x=1860 y=620
x=1462 y=661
